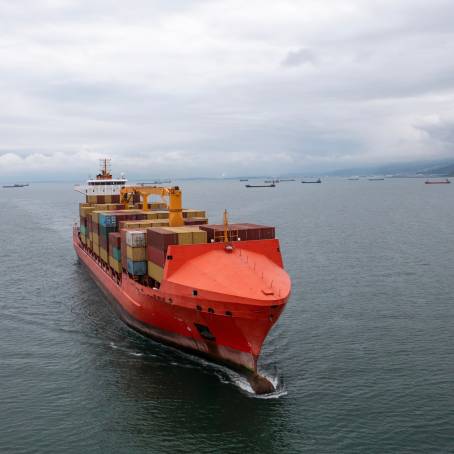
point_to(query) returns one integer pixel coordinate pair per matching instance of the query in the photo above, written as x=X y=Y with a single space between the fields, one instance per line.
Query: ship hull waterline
x=242 y=362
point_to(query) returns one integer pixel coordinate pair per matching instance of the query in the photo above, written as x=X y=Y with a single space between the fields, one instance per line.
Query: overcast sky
x=205 y=88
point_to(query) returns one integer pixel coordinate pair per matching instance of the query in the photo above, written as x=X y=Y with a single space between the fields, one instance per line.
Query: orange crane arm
x=174 y=194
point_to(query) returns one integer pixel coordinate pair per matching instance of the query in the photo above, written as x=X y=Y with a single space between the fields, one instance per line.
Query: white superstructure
x=103 y=184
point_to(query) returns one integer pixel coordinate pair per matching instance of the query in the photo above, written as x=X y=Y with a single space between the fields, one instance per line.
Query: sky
x=222 y=88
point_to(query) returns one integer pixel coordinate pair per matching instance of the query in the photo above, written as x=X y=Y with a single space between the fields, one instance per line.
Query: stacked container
x=115 y=251
x=158 y=240
x=243 y=232
x=190 y=213
x=135 y=258
x=134 y=240
x=107 y=223
x=103 y=198
x=153 y=205
x=143 y=224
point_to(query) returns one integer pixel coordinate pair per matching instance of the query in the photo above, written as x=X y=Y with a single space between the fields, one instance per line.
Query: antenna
x=105 y=167
x=226 y=226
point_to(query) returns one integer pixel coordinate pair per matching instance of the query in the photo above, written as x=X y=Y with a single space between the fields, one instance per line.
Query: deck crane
x=172 y=193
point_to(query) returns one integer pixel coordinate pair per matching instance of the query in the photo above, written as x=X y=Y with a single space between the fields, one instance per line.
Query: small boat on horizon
x=16 y=185
x=376 y=179
x=272 y=185
x=446 y=181
x=311 y=181
x=353 y=179
x=244 y=179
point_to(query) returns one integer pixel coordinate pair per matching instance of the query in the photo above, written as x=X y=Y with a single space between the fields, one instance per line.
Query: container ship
x=214 y=290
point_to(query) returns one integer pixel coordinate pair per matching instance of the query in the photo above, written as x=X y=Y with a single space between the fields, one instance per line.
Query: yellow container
x=82 y=206
x=95 y=248
x=161 y=215
x=146 y=223
x=131 y=224
x=184 y=235
x=104 y=255
x=199 y=237
x=95 y=216
x=115 y=264
x=189 y=234
x=95 y=238
x=190 y=213
x=155 y=271
x=136 y=254
x=158 y=205
x=83 y=238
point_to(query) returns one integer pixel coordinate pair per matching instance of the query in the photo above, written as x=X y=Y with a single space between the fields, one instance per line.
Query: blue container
x=104 y=231
x=116 y=253
x=107 y=220
x=83 y=230
x=137 y=268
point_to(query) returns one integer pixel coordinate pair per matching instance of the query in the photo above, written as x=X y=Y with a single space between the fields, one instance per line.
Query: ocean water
x=363 y=356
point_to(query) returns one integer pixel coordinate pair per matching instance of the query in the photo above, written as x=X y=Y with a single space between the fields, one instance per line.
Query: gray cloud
x=189 y=88
x=299 y=57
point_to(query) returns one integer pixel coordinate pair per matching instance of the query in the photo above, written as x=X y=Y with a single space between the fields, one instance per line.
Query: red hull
x=239 y=297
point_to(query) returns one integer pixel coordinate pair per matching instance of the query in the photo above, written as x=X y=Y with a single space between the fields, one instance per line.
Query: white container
x=136 y=238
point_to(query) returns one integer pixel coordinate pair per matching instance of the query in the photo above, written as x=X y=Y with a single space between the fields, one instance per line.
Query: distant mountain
x=439 y=168
x=446 y=171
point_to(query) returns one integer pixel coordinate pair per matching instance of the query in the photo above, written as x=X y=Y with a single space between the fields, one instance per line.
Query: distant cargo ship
x=312 y=181
x=272 y=185
x=438 y=181
x=213 y=290
x=16 y=185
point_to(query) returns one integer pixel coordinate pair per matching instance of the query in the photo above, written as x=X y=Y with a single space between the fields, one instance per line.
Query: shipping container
x=156 y=255
x=143 y=224
x=138 y=268
x=156 y=272
x=116 y=253
x=243 y=232
x=160 y=238
x=103 y=254
x=115 y=264
x=136 y=254
x=136 y=238
x=190 y=213
x=195 y=221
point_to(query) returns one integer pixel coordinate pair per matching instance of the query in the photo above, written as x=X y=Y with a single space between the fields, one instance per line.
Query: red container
x=265 y=232
x=156 y=256
x=104 y=242
x=244 y=232
x=115 y=198
x=124 y=257
x=160 y=238
x=114 y=240
x=195 y=221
